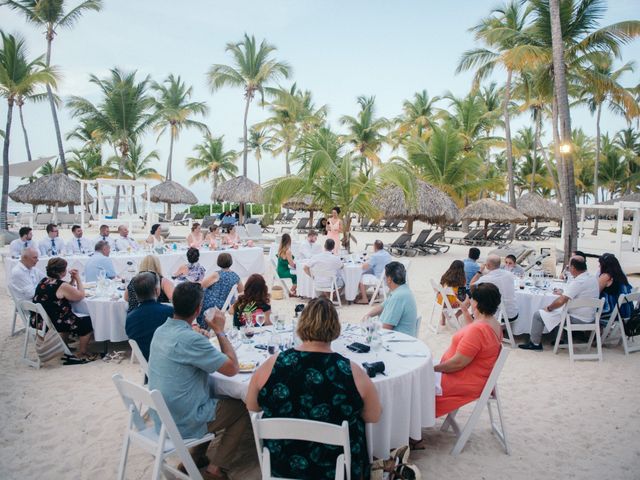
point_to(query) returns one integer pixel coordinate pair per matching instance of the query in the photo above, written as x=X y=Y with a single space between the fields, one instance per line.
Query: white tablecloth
x=530 y=300
x=108 y=317
x=351 y=273
x=246 y=261
x=407 y=392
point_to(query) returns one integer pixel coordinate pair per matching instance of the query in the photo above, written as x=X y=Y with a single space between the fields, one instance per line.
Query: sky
x=338 y=50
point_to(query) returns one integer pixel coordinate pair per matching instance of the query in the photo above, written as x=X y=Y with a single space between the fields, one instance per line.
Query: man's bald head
x=29 y=257
x=493 y=262
x=579 y=263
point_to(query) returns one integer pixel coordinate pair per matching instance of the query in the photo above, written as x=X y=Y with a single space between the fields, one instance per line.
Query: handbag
x=395 y=467
x=49 y=347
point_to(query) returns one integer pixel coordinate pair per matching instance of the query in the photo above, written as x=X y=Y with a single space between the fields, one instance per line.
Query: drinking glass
x=278 y=321
x=260 y=319
x=248 y=333
x=376 y=343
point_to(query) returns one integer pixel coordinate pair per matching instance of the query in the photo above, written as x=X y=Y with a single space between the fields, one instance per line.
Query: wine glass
x=376 y=343
x=260 y=318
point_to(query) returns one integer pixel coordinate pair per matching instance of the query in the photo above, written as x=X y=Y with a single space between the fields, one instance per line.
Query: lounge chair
x=289 y=217
x=364 y=224
x=539 y=234
x=467 y=239
x=432 y=247
x=400 y=246
x=207 y=221
x=278 y=218
x=301 y=226
x=374 y=226
x=421 y=241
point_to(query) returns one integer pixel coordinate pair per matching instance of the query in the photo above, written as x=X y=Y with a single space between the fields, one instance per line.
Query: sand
x=563 y=420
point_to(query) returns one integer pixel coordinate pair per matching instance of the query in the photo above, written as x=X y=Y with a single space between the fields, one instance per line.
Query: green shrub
x=626 y=230
x=200 y=210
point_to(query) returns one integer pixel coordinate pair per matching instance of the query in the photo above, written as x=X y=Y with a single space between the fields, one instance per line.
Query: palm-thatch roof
x=56 y=189
x=431 y=204
x=534 y=206
x=491 y=210
x=238 y=190
x=304 y=202
x=171 y=192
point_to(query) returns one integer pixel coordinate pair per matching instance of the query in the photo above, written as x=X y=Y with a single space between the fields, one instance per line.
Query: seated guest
x=25 y=241
x=228 y=219
x=143 y=320
x=325 y=262
x=196 y=237
x=104 y=236
x=218 y=285
x=510 y=265
x=474 y=349
x=213 y=236
x=582 y=285
x=232 y=238
x=309 y=247
x=78 y=244
x=56 y=296
x=399 y=311
x=52 y=245
x=453 y=282
x=150 y=263
x=281 y=388
x=25 y=276
x=99 y=261
x=180 y=363
x=471 y=266
x=123 y=241
x=613 y=283
x=504 y=280
x=255 y=296
x=192 y=270
x=373 y=269
x=286 y=262
x=155 y=238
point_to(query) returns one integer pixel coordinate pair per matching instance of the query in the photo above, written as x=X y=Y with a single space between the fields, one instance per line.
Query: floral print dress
x=58 y=309
x=315 y=386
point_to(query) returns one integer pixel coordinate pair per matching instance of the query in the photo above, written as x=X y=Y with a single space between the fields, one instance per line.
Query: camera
x=298 y=310
x=373 y=368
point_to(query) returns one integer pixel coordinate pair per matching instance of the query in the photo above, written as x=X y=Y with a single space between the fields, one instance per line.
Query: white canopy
x=26 y=169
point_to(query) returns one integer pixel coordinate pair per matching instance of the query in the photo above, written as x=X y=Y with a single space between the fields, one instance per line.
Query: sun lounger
x=432 y=247
x=400 y=246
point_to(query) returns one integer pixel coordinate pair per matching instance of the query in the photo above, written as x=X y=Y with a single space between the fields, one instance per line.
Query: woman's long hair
x=285 y=243
x=610 y=265
x=454 y=276
x=255 y=290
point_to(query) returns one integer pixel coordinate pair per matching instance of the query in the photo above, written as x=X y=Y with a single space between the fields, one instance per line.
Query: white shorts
x=369 y=279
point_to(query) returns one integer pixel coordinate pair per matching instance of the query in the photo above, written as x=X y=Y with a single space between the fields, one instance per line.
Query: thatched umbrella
x=171 y=192
x=239 y=190
x=432 y=205
x=491 y=210
x=535 y=207
x=304 y=202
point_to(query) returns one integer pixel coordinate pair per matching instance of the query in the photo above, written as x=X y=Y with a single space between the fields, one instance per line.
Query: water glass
x=260 y=319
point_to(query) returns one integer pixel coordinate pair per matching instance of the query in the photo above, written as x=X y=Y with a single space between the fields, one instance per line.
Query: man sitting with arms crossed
x=399 y=311
x=78 y=244
x=327 y=262
x=143 y=320
x=504 y=280
x=123 y=241
x=309 y=247
x=372 y=270
x=582 y=285
x=25 y=241
x=180 y=362
x=25 y=276
x=99 y=261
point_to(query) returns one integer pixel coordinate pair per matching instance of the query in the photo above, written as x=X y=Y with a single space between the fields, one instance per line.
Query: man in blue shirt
x=399 y=311
x=180 y=363
x=373 y=269
x=99 y=261
x=143 y=320
x=471 y=266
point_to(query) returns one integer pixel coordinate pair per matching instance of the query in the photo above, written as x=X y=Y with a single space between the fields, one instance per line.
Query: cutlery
x=400 y=340
x=407 y=355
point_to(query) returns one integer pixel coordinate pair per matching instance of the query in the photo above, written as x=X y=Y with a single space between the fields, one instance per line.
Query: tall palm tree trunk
x=507 y=134
x=116 y=201
x=564 y=117
x=245 y=143
x=4 y=203
x=170 y=161
x=286 y=161
x=24 y=132
x=596 y=169
x=556 y=147
x=259 y=174
x=536 y=115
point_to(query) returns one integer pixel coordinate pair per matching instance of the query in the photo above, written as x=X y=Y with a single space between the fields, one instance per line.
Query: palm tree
x=612 y=168
x=123 y=114
x=18 y=76
x=418 y=115
x=628 y=141
x=253 y=69
x=174 y=111
x=365 y=133
x=601 y=87
x=213 y=162
x=86 y=164
x=52 y=15
x=259 y=142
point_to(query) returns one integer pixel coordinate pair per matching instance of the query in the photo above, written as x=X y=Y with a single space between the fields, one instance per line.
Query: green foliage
x=202 y=209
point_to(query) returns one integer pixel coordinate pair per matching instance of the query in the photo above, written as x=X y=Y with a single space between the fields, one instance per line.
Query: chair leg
x=466 y=431
x=570 y=342
x=13 y=324
x=123 y=458
x=598 y=343
x=558 y=337
x=507 y=325
x=501 y=432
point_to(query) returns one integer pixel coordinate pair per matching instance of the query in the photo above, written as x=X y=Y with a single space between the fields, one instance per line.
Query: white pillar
x=635 y=231
x=146 y=189
x=82 y=184
x=619 y=227
x=581 y=232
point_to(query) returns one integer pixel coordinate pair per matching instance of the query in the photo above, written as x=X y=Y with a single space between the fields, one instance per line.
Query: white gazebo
x=105 y=189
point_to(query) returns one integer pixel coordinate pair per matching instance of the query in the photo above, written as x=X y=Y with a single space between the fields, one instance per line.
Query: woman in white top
x=155 y=237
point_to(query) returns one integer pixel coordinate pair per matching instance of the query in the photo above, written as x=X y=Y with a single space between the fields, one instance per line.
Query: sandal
x=115 y=357
x=68 y=360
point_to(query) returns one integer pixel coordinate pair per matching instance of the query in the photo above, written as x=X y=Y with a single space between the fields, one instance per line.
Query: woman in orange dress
x=334 y=228
x=474 y=349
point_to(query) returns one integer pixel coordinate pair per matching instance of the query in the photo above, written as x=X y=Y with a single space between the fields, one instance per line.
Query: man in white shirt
x=104 y=236
x=19 y=244
x=25 y=276
x=53 y=245
x=78 y=244
x=309 y=247
x=123 y=241
x=583 y=285
x=325 y=262
x=373 y=269
x=503 y=279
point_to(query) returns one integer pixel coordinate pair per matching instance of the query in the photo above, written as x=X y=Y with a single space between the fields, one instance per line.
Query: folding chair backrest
x=595 y=303
x=633 y=298
x=305 y=430
x=17 y=303
x=495 y=374
x=137 y=354
x=47 y=324
x=233 y=293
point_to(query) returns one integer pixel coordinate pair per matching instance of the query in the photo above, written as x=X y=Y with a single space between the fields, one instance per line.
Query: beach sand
x=563 y=420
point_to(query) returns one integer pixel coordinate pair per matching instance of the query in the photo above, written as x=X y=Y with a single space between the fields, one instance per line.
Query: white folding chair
x=616 y=321
x=17 y=312
x=31 y=332
x=298 y=429
x=446 y=309
x=488 y=397
x=233 y=293
x=418 y=323
x=242 y=233
x=594 y=328
x=504 y=321
x=329 y=276
x=136 y=354
x=380 y=289
x=160 y=445
x=277 y=279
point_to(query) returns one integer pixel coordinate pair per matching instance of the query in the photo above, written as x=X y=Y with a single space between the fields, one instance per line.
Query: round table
x=108 y=316
x=407 y=391
x=529 y=301
x=350 y=273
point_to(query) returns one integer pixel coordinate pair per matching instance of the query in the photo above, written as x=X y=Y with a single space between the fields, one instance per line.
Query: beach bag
x=632 y=326
x=49 y=346
x=395 y=467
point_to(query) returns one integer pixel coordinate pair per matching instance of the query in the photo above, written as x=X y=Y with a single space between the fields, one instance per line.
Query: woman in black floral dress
x=315 y=383
x=56 y=296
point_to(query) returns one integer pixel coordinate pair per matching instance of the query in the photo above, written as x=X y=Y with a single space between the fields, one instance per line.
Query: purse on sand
x=395 y=467
x=49 y=346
